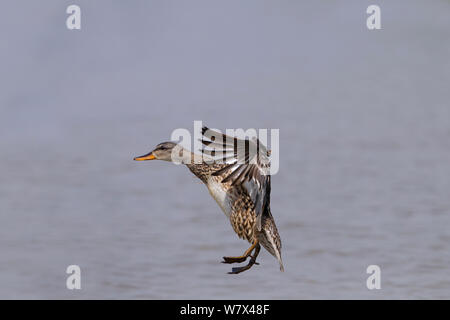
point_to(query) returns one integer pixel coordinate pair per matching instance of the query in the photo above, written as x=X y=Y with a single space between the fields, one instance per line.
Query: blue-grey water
x=364 y=121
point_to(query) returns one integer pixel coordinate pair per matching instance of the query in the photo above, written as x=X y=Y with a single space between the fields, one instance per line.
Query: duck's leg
x=250 y=263
x=242 y=258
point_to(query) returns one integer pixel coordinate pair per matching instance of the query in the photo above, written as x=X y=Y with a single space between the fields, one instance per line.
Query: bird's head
x=162 y=151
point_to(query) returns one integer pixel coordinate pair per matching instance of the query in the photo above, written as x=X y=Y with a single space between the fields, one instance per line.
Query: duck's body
x=237 y=205
x=236 y=202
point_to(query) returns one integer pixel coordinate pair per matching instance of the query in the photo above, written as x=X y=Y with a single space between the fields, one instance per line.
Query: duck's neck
x=196 y=164
x=189 y=158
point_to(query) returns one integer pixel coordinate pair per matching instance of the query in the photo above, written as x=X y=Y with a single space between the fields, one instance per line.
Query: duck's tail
x=270 y=240
x=276 y=246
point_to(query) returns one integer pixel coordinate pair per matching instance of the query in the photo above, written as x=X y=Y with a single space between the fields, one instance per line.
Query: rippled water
x=364 y=125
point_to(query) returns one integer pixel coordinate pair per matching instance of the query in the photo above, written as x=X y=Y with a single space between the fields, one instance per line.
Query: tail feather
x=275 y=249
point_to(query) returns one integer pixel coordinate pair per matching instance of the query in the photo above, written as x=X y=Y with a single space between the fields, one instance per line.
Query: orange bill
x=148 y=156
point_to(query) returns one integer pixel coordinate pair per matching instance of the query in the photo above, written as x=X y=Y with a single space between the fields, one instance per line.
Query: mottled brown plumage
x=237 y=188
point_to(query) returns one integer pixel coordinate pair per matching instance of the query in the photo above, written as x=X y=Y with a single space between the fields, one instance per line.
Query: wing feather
x=248 y=169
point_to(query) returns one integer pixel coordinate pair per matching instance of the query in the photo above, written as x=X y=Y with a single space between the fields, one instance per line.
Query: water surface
x=365 y=147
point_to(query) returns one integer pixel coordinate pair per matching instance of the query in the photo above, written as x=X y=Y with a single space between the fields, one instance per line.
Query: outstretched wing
x=247 y=164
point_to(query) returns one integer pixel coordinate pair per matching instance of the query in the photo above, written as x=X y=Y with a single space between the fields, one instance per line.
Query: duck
x=239 y=180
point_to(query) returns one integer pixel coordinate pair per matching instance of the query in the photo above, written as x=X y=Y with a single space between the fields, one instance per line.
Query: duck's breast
x=218 y=191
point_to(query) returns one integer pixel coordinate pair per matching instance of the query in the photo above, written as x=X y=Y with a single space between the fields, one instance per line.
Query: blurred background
x=364 y=121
